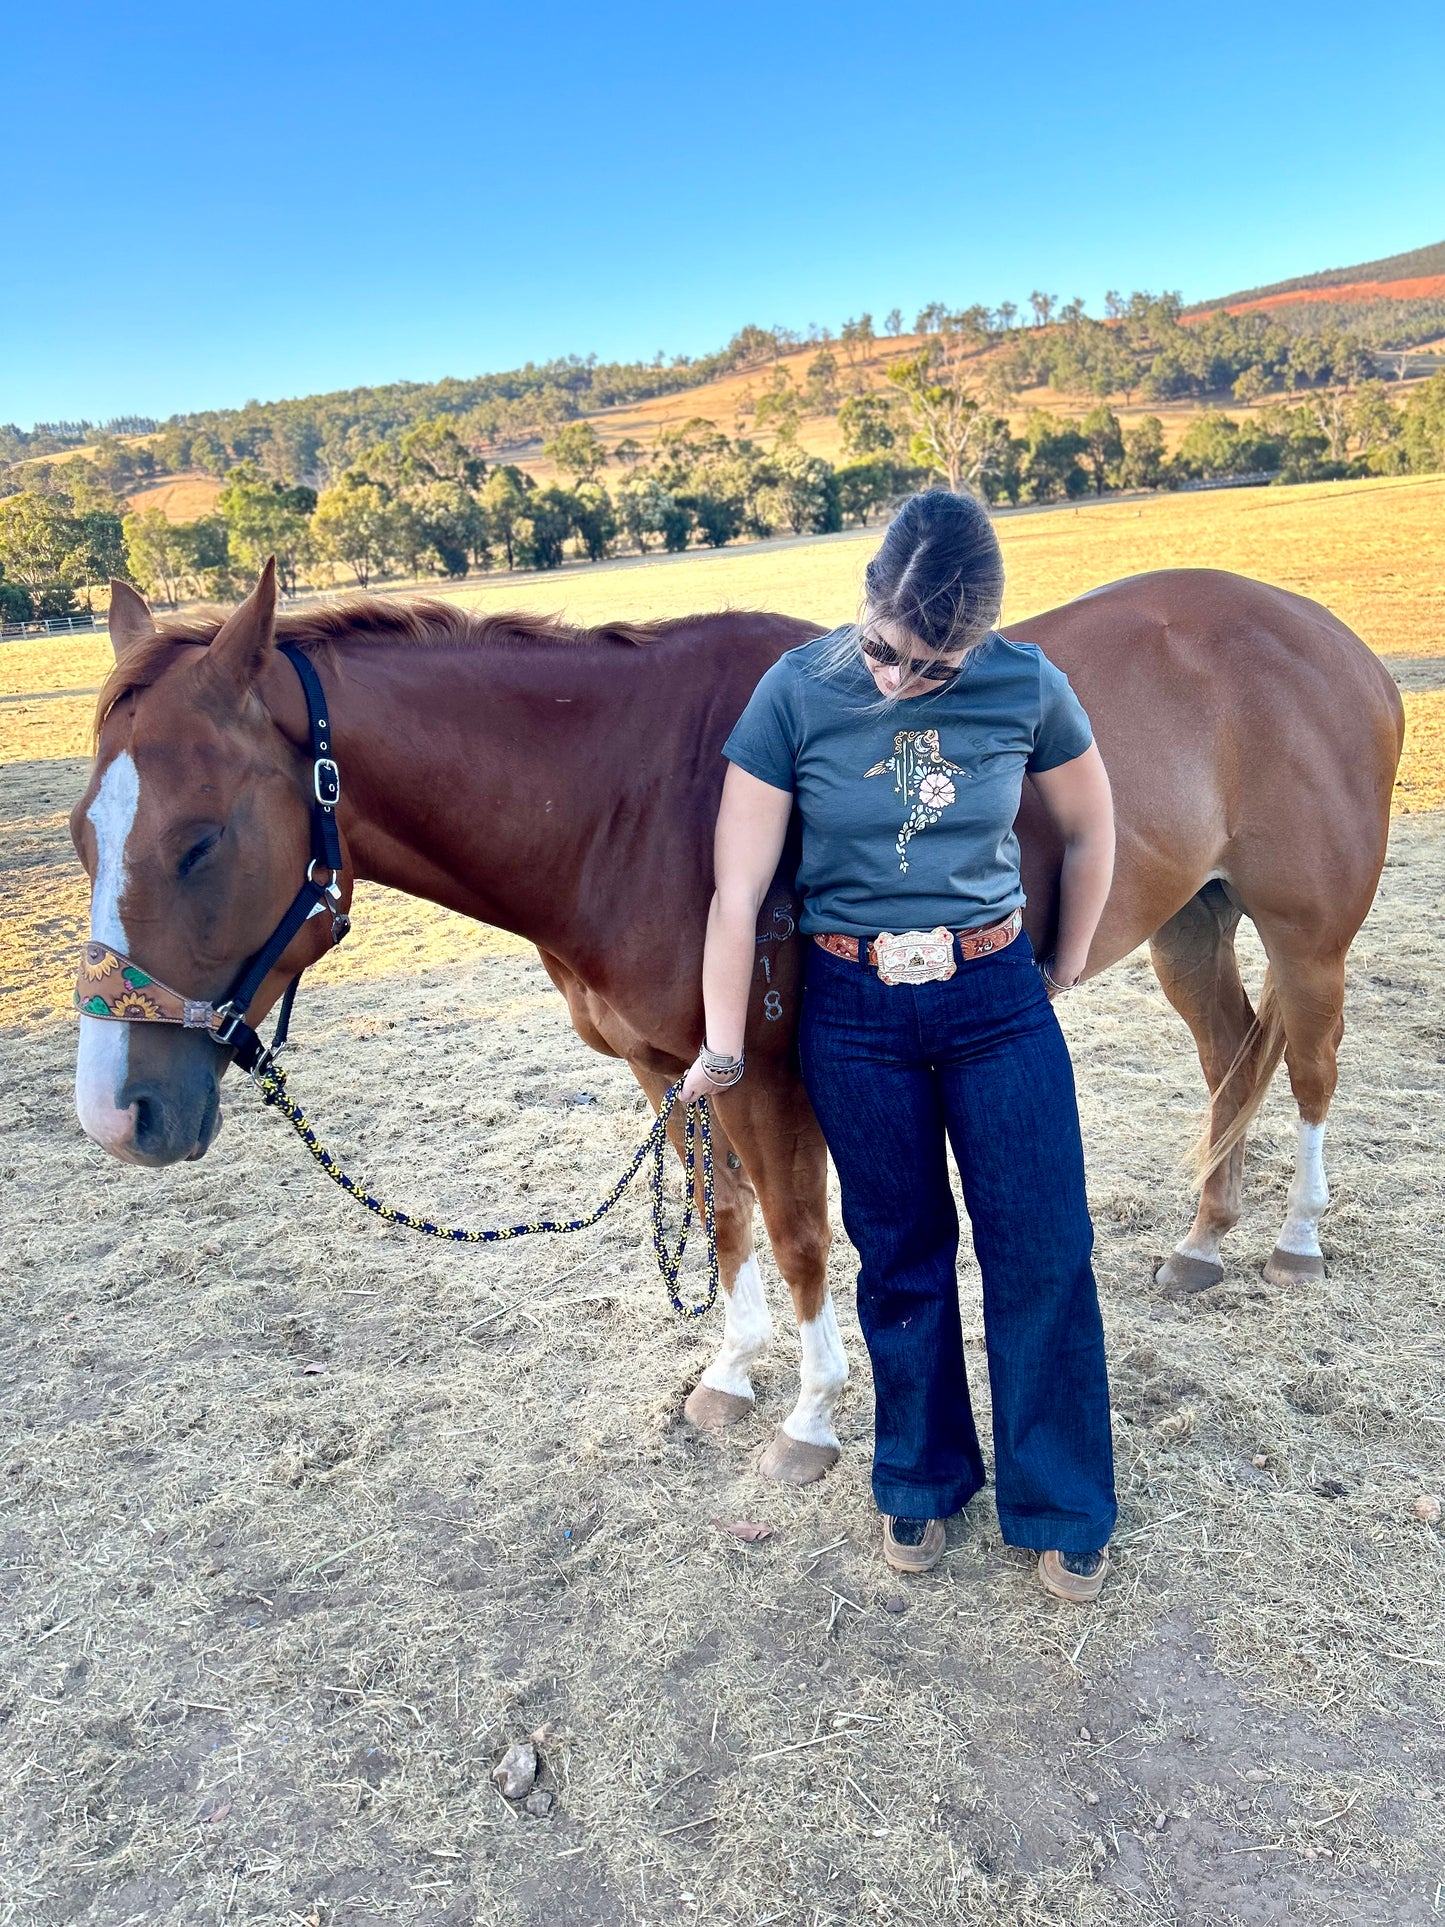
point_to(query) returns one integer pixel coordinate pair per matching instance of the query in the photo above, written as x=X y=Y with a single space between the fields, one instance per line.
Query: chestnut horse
x=562 y=784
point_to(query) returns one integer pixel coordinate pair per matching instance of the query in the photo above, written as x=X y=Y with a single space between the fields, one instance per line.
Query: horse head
x=194 y=830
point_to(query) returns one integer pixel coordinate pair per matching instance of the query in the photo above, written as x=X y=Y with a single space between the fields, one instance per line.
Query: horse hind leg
x=724 y=1393
x=1311 y=992
x=1194 y=959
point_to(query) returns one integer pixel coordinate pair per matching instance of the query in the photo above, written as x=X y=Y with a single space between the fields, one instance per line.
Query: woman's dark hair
x=939 y=571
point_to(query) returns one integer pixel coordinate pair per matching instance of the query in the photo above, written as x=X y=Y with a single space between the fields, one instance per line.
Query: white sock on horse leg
x=1309 y=1194
x=747 y=1333
x=1202 y=1244
x=823 y=1374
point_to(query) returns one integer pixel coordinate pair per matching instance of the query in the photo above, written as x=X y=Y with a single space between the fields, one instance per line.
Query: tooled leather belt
x=978 y=942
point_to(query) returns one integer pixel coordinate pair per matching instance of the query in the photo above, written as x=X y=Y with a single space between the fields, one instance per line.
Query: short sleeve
x=765 y=738
x=1063 y=730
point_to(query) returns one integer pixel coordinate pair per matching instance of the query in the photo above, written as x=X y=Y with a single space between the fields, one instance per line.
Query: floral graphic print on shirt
x=923 y=777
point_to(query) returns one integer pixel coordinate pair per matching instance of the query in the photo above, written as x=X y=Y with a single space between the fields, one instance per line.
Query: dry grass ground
x=267 y=1627
x=181 y=498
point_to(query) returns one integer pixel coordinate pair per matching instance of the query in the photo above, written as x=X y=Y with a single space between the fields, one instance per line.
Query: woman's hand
x=1054 y=984
x=696 y=1084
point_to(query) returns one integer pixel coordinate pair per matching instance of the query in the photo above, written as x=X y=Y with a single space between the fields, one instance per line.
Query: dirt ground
x=304 y=1520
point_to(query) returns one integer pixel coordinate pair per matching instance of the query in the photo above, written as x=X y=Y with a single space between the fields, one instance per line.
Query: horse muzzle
x=149 y=1099
x=147 y=1080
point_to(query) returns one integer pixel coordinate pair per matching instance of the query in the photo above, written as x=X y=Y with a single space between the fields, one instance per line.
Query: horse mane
x=363 y=620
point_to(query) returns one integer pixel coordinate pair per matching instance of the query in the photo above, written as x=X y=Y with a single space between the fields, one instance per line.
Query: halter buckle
x=326 y=782
x=227 y=1021
x=232 y=1021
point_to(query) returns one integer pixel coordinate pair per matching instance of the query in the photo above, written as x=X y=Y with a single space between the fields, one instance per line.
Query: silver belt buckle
x=916 y=956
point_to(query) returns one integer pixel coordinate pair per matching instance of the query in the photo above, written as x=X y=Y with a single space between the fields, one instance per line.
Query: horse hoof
x=710 y=1410
x=790 y=1461
x=1294 y=1268
x=1180 y=1276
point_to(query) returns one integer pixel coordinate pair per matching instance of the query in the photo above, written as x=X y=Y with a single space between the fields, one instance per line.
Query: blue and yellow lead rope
x=272 y=1085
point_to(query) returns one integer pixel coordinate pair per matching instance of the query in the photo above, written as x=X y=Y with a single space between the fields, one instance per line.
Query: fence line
x=50 y=626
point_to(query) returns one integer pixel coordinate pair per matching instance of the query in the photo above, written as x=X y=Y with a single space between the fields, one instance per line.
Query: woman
x=903 y=741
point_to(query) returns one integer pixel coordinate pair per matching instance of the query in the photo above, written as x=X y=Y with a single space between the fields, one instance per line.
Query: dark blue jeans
x=979 y=1061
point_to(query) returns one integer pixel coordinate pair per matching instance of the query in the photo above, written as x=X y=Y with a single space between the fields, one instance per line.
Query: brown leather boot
x=920 y=1556
x=1079 y=1588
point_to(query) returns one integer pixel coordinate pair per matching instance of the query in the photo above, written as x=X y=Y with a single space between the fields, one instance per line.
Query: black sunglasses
x=928 y=670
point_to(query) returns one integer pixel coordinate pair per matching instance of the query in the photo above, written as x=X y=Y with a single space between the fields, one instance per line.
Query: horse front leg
x=775 y=1130
x=724 y=1393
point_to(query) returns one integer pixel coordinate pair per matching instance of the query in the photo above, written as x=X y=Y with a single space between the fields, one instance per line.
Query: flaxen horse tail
x=1256 y=1062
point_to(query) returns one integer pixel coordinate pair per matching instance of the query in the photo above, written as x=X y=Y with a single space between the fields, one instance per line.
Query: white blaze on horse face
x=103 y=1054
x=747 y=1333
x=823 y=1374
x=1309 y=1195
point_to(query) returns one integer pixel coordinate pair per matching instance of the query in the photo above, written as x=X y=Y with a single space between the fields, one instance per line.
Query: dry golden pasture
x=304 y=1521
x=182 y=498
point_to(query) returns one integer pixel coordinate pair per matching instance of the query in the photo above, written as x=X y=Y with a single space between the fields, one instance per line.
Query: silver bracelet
x=1052 y=981
x=719 y=1069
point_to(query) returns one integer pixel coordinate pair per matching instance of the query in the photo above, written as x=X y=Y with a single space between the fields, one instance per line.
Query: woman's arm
x=1077 y=797
x=752 y=823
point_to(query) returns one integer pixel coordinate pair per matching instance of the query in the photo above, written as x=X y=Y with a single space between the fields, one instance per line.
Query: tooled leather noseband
x=111 y=985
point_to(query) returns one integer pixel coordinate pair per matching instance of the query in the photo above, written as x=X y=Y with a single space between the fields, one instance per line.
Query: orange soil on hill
x=1414 y=289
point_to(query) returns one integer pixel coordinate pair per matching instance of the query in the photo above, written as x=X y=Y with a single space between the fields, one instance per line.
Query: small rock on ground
x=516 y=1770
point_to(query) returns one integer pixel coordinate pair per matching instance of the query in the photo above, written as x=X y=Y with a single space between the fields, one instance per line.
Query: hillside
x=1419 y=264
x=768 y=432
x=727 y=401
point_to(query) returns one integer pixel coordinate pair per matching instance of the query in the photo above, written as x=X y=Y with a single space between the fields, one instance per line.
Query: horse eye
x=197 y=851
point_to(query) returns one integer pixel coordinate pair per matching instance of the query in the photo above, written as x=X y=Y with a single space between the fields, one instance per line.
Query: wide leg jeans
x=896 y=1073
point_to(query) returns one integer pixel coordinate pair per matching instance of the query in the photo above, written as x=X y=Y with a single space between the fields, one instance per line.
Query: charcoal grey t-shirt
x=908 y=811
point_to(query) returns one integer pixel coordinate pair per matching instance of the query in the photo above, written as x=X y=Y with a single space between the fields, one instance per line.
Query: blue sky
x=208 y=204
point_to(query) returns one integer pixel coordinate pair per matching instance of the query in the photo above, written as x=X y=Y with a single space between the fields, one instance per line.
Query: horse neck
x=487 y=779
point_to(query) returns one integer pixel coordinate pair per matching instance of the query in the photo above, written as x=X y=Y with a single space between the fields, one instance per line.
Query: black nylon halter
x=233 y=1033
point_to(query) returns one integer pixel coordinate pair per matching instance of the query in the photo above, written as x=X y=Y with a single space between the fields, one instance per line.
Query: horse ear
x=130 y=619
x=245 y=639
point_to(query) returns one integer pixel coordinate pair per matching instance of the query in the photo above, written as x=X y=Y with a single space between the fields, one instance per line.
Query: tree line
x=1328 y=435
x=422 y=503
